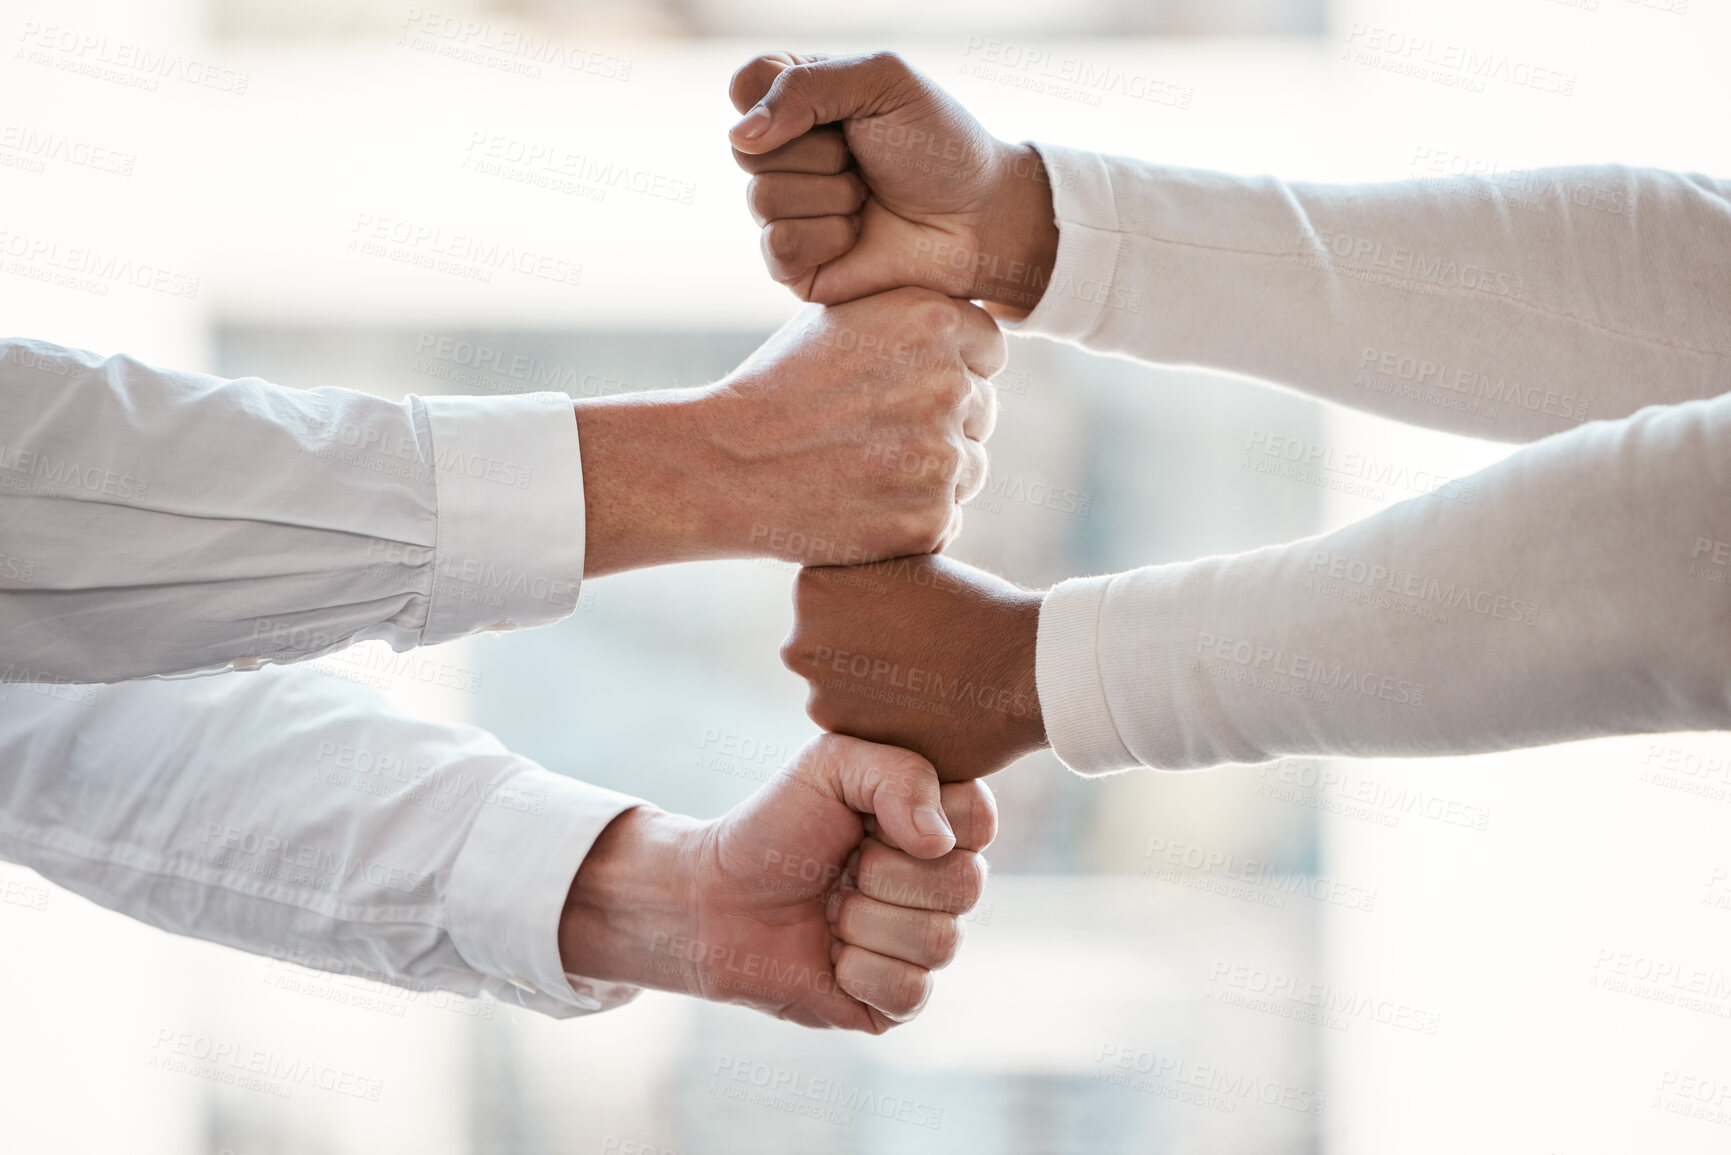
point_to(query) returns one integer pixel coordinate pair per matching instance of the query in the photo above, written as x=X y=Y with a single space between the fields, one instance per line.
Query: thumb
x=752 y=81
x=898 y=786
x=811 y=90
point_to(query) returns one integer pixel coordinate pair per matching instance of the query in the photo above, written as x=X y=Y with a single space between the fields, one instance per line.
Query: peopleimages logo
x=124 y=62
x=1423 y=373
x=1301 y=460
x=1343 y=790
x=390 y=775
x=87 y=268
x=1232 y=1087
x=1331 y=1006
x=1414 y=263
x=866 y=671
x=1392 y=579
x=1181 y=863
x=1451 y=64
x=1308 y=668
x=830 y=1099
x=463 y=254
x=269 y=855
x=22 y=470
x=35 y=148
x=1069 y=76
x=546 y=164
x=216 y=1060
x=522 y=51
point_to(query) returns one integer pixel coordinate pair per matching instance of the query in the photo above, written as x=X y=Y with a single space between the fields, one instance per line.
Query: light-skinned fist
x=827 y=898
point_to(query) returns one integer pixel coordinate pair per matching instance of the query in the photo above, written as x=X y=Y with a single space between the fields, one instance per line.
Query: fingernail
x=931 y=820
x=752 y=125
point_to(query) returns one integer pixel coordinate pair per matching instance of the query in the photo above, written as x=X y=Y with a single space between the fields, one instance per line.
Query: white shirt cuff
x=1067 y=674
x=1083 y=283
x=510 y=881
x=510 y=527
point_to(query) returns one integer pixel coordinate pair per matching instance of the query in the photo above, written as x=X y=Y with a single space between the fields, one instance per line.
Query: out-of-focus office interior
x=1525 y=953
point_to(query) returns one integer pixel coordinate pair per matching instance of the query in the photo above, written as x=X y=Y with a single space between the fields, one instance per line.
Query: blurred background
x=1528 y=952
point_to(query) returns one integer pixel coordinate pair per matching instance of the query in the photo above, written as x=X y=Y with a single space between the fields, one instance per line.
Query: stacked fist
x=848 y=443
x=869 y=181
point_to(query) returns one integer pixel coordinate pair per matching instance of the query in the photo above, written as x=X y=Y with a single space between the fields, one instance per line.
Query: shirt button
x=501 y=627
x=245 y=663
x=523 y=985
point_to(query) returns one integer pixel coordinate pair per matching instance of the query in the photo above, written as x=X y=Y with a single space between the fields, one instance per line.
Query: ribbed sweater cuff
x=1067 y=672
x=1082 y=284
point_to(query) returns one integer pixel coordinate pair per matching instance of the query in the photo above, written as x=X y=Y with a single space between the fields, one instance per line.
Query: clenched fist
x=923 y=653
x=827 y=898
x=867 y=175
x=855 y=433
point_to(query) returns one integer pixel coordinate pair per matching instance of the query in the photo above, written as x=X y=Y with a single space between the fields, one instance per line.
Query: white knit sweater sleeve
x=1577 y=588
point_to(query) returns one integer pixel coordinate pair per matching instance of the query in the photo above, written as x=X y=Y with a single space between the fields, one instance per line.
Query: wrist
x=1020 y=642
x=646 y=480
x=632 y=905
x=1021 y=235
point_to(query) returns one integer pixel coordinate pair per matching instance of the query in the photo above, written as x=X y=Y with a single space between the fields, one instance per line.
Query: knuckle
x=951 y=390
x=824 y=748
x=857 y=191
x=979 y=469
x=872 y=873
x=969 y=883
x=795 y=654
x=751 y=79
x=985 y=813
x=952 y=464
x=757 y=198
x=890 y=65
x=846 y=918
x=935 y=452
x=943 y=940
x=780 y=241
x=909 y=990
x=823 y=712
x=795 y=80
x=836 y=155
x=934 y=318
x=922 y=530
x=989 y=419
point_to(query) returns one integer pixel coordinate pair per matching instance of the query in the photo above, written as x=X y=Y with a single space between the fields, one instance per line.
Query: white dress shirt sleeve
x=1576 y=589
x=293 y=813
x=156 y=522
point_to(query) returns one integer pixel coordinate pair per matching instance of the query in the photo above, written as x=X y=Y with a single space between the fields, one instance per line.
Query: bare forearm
x=632 y=902
x=1021 y=242
x=648 y=481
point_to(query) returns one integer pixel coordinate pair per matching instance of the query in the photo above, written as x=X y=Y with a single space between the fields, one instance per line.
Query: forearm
x=1571 y=591
x=649 y=482
x=1508 y=309
x=633 y=901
